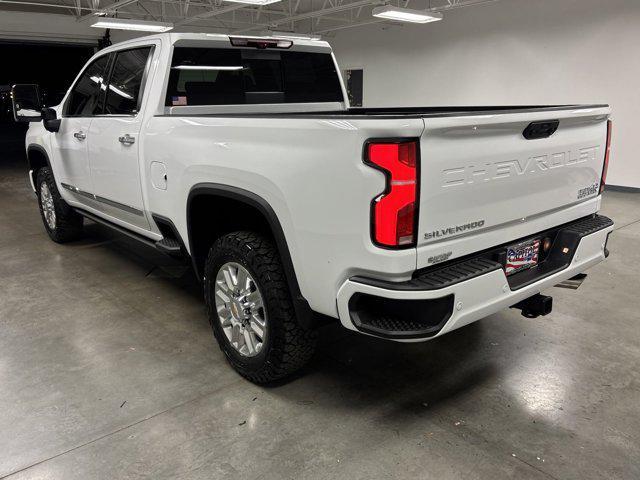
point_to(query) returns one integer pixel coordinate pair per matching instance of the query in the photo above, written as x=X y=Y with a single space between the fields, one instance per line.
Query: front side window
x=123 y=92
x=227 y=76
x=85 y=98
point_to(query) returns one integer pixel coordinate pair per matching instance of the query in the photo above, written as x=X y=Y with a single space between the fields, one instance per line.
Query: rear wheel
x=60 y=221
x=251 y=311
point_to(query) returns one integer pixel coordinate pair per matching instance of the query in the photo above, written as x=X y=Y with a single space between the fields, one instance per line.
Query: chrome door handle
x=80 y=135
x=127 y=139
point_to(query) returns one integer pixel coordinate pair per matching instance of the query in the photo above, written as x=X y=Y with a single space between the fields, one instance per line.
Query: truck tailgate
x=479 y=174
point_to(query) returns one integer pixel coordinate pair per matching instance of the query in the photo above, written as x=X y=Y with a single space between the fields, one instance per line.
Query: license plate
x=522 y=256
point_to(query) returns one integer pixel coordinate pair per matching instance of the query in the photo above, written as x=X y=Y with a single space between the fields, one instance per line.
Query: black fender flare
x=303 y=310
x=40 y=149
x=34 y=147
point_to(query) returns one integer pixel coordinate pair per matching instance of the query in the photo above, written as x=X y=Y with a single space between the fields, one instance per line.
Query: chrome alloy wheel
x=49 y=210
x=240 y=308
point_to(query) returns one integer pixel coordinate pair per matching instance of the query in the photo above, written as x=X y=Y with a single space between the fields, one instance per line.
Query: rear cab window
x=234 y=76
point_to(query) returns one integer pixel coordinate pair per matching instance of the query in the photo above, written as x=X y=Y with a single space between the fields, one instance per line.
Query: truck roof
x=188 y=37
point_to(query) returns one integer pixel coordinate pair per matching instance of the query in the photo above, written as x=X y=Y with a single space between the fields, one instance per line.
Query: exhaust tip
x=573 y=283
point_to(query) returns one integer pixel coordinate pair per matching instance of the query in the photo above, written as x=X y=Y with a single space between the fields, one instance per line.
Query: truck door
x=71 y=166
x=113 y=139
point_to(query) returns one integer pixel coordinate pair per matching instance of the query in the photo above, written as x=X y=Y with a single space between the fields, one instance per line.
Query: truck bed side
x=310 y=170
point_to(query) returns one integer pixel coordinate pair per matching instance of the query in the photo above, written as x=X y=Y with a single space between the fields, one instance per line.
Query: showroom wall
x=512 y=52
x=58 y=27
x=33 y=26
x=40 y=27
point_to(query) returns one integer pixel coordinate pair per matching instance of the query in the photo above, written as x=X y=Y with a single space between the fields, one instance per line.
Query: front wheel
x=61 y=222
x=251 y=311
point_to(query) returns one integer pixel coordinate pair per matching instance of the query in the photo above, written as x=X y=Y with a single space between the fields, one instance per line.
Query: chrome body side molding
x=106 y=201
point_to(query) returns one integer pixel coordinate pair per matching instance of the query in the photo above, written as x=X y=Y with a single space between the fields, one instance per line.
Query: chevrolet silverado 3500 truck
x=242 y=155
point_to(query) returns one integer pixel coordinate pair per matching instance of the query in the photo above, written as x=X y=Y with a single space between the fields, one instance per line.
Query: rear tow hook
x=535 y=306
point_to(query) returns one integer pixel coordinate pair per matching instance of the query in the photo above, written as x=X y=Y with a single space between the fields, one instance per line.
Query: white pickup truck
x=242 y=155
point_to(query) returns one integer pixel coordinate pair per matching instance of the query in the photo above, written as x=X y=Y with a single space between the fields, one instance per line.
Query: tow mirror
x=27 y=106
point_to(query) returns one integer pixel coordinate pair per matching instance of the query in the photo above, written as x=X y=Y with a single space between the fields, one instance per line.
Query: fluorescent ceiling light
x=126 y=24
x=206 y=67
x=389 y=12
x=253 y=2
x=294 y=35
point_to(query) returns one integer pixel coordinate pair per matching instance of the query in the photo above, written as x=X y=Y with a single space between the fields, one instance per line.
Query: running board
x=170 y=246
x=165 y=245
x=171 y=243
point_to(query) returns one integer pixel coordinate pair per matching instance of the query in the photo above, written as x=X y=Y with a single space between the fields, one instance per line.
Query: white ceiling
x=303 y=16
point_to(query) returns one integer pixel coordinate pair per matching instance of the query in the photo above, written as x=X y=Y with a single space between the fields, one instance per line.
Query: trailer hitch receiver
x=535 y=306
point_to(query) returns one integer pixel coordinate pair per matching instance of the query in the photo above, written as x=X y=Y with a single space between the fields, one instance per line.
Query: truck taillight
x=605 y=167
x=394 y=211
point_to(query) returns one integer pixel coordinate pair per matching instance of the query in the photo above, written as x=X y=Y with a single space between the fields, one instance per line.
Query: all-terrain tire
x=287 y=346
x=67 y=224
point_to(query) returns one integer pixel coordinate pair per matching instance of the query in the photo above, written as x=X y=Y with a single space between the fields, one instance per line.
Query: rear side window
x=227 y=76
x=123 y=94
x=86 y=95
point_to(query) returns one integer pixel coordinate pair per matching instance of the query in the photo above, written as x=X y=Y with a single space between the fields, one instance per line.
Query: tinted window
x=86 y=97
x=123 y=93
x=225 y=76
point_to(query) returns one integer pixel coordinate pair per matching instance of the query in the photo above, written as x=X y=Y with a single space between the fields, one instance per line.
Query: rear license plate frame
x=522 y=256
